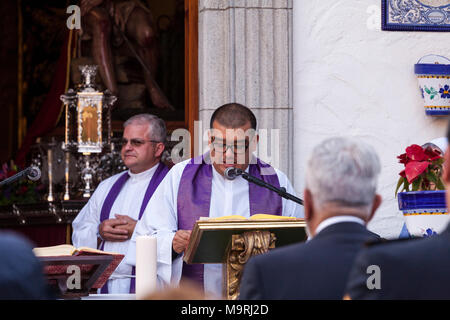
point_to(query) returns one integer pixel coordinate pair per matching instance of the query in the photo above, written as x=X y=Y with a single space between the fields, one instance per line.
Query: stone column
x=245 y=56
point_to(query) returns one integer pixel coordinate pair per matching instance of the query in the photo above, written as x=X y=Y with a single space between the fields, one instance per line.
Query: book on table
x=96 y=266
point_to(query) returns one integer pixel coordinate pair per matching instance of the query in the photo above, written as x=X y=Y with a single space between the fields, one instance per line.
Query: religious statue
x=89 y=119
x=113 y=22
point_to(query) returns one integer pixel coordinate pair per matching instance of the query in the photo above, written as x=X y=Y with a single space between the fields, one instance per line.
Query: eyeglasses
x=236 y=148
x=136 y=143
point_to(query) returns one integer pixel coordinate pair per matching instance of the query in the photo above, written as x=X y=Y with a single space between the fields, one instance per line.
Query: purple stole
x=157 y=177
x=194 y=198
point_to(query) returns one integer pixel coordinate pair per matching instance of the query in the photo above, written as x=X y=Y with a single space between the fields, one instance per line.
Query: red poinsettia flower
x=423 y=166
x=403 y=158
x=414 y=169
x=432 y=154
x=403 y=174
x=416 y=153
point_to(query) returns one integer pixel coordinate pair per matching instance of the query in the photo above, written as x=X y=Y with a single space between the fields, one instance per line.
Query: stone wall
x=245 y=56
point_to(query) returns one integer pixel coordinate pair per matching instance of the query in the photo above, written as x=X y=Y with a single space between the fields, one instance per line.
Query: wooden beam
x=191 y=66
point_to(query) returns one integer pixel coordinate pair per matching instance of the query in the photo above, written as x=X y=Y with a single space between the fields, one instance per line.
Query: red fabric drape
x=43 y=235
x=50 y=111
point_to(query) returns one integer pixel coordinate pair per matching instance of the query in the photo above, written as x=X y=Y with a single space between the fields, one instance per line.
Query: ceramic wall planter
x=425 y=212
x=433 y=75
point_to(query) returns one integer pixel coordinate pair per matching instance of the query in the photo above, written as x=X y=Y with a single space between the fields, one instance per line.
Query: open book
x=67 y=250
x=259 y=216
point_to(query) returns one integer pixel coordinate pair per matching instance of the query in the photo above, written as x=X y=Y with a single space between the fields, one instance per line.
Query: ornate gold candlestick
x=88 y=104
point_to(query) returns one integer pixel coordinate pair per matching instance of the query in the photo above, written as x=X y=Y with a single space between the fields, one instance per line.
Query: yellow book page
x=61 y=250
x=91 y=250
x=259 y=216
x=269 y=217
x=233 y=217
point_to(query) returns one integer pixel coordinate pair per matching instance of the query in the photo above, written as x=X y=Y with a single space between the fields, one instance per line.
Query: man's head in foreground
x=341 y=179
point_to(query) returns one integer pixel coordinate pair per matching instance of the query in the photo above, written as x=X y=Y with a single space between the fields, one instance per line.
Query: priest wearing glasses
x=198 y=188
x=108 y=220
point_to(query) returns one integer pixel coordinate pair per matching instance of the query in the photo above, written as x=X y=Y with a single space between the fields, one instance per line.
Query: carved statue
x=114 y=22
x=243 y=246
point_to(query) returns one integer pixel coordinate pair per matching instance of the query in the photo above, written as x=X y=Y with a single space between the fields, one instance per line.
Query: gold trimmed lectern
x=232 y=240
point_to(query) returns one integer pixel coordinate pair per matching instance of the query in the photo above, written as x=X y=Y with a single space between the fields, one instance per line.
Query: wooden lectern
x=233 y=240
x=94 y=272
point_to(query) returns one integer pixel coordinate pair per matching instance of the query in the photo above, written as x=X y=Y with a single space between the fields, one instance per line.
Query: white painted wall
x=351 y=78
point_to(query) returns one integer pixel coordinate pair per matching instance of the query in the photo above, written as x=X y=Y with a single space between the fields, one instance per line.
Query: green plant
x=423 y=169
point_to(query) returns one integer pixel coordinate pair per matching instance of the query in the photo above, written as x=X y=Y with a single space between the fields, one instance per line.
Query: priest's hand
x=109 y=230
x=181 y=240
x=129 y=226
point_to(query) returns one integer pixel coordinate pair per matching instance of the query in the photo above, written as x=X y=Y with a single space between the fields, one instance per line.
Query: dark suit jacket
x=316 y=269
x=21 y=273
x=408 y=269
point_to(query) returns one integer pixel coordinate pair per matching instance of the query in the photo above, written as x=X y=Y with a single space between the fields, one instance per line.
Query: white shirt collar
x=333 y=220
x=144 y=174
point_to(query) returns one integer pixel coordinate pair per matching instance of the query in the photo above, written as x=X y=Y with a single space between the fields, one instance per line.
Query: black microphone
x=33 y=173
x=231 y=173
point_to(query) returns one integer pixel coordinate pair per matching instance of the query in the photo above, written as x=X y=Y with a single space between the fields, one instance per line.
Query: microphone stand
x=15 y=177
x=280 y=191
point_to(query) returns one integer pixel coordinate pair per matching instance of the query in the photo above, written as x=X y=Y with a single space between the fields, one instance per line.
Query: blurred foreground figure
x=21 y=273
x=187 y=290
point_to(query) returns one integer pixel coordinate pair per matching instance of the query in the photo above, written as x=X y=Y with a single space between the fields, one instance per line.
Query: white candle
x=50 y=174
x=66 y=176
x=145 y=266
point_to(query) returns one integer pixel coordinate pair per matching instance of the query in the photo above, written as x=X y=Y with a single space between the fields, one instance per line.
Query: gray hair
x=344 y=171
x=157 y=126
x=432 y=146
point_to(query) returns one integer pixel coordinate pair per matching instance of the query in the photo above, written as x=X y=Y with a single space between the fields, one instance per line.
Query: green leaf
x=417 y=183
x=399 y=183
x=432 y=97
x=431 y=176
x=427 y=90
x=406 y=186
x=440 y=185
